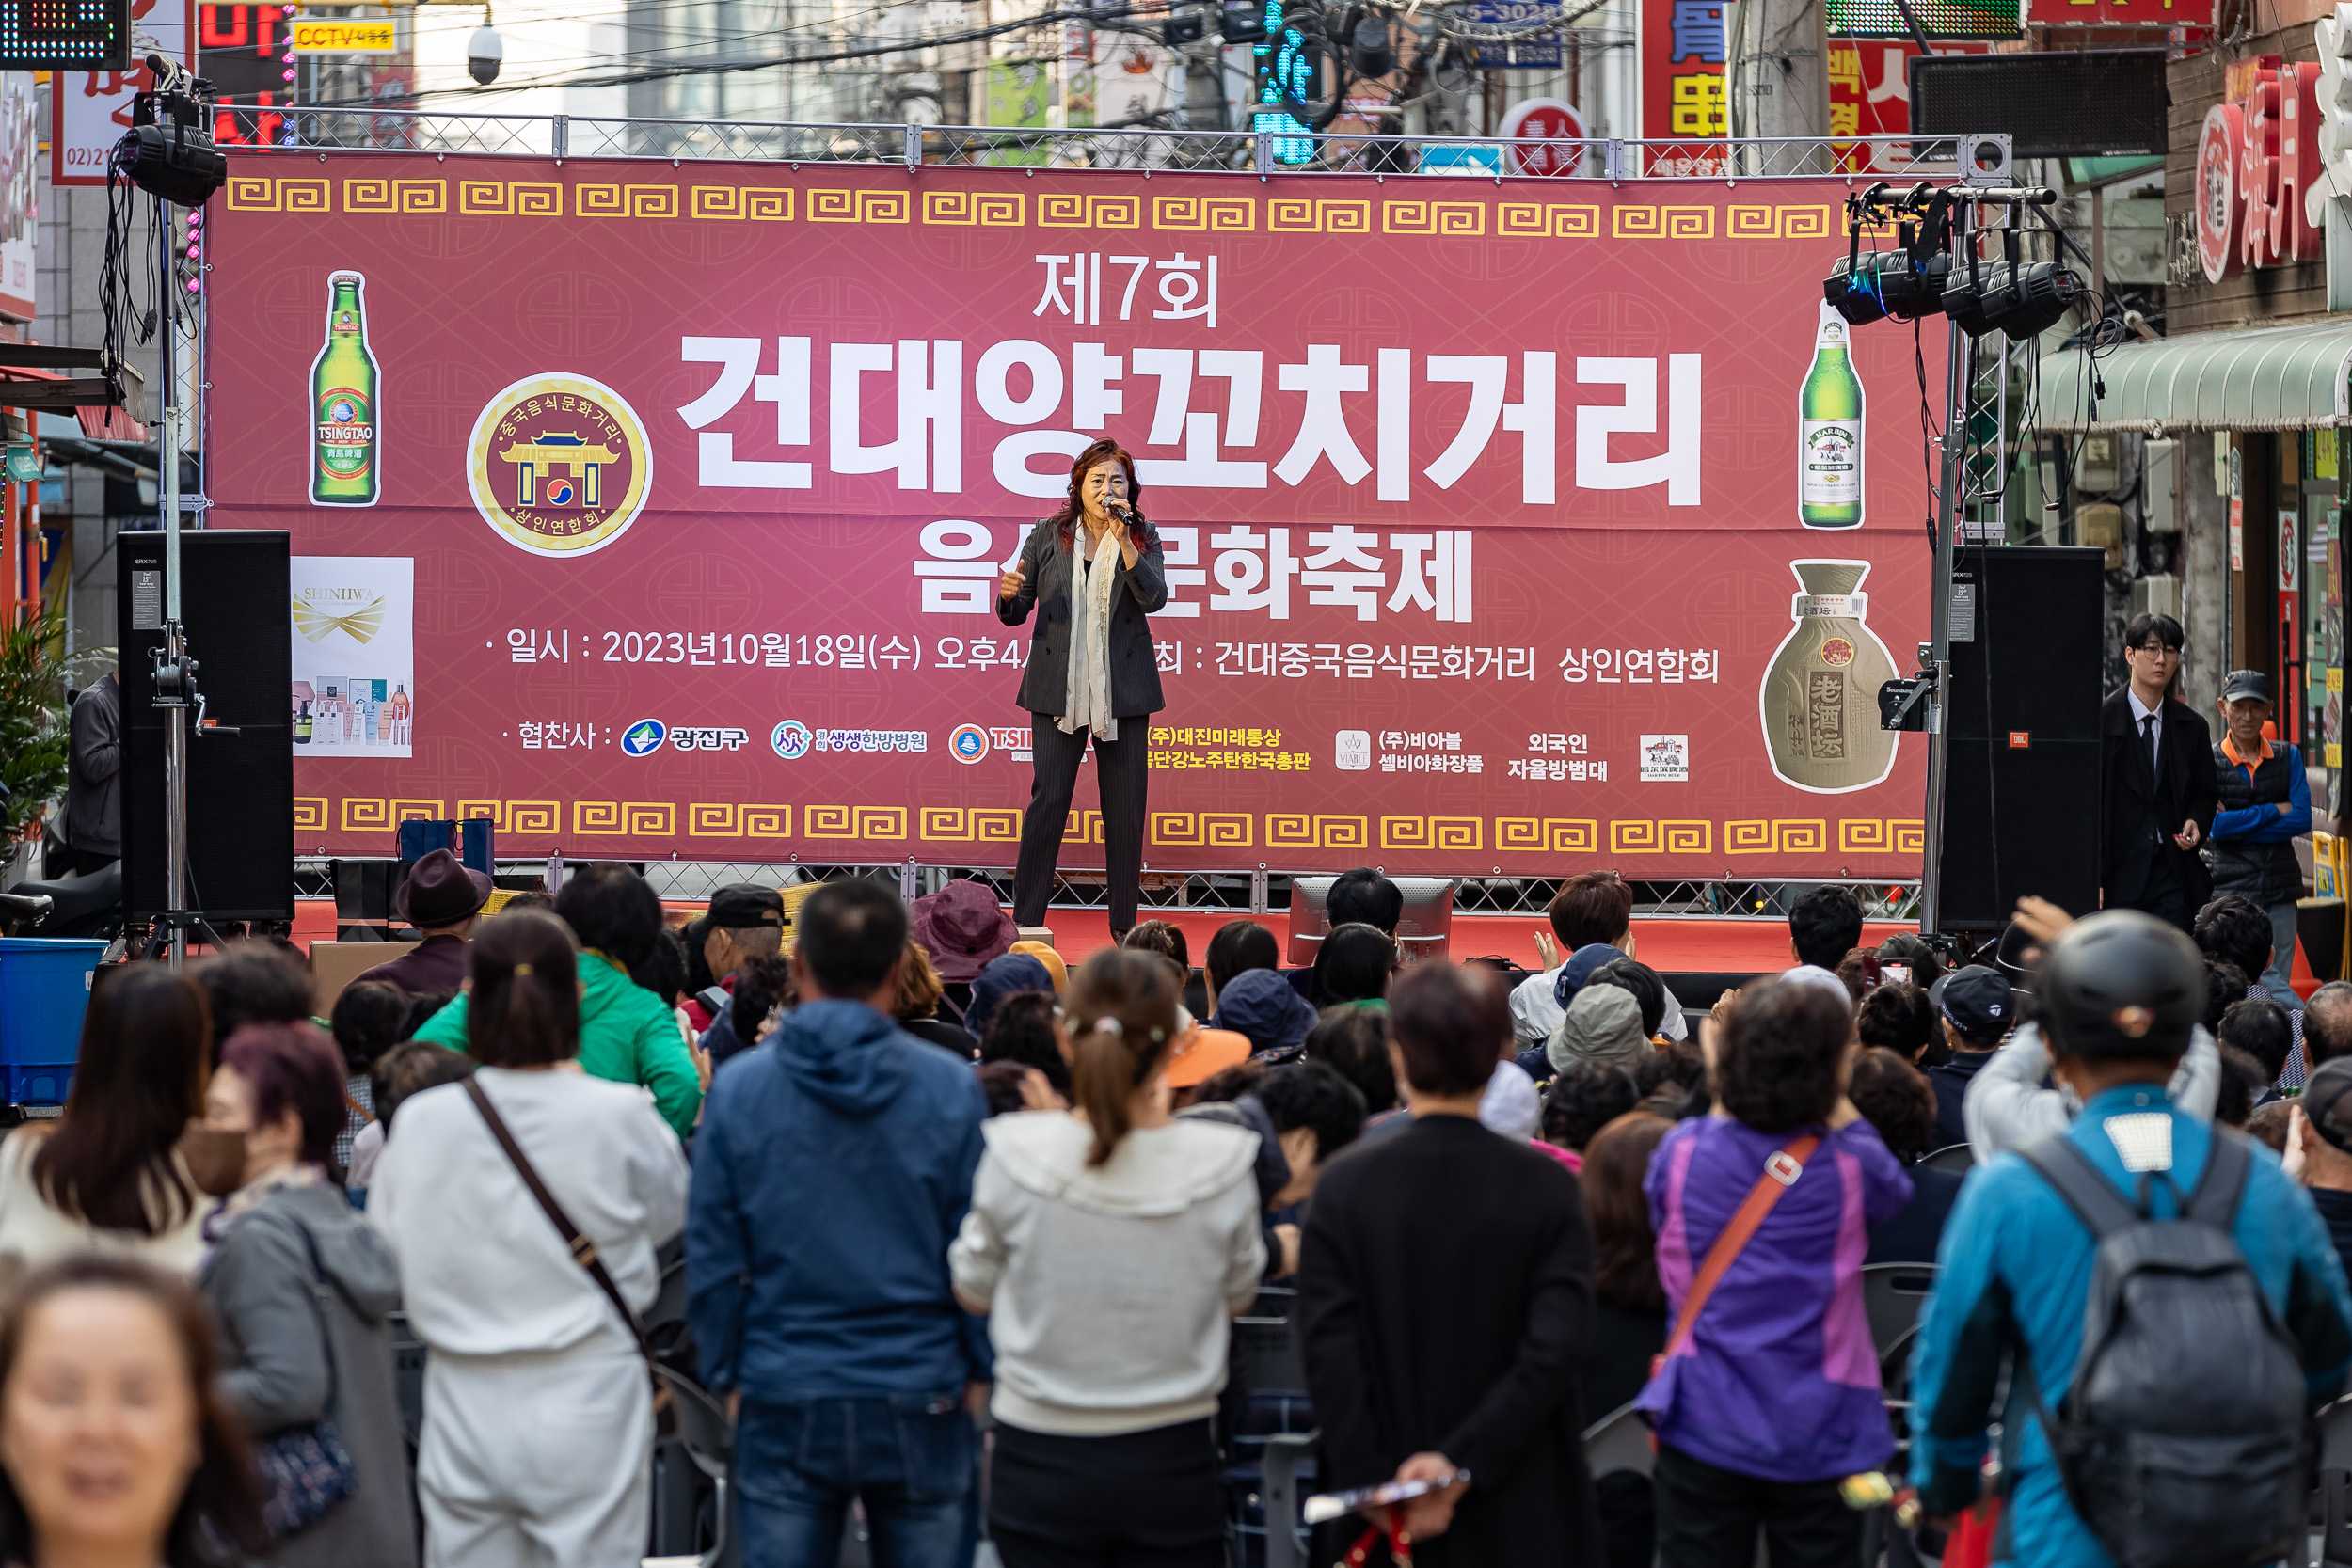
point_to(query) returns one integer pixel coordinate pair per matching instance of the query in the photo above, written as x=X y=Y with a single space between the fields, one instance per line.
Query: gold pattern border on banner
x=1549 y=835
x=1205 y=830
x=1070 y=210
x=628 y=201
x=832 y=205
x=1302 y=215
x=1661 y=222
x=1298 y=831
x=1451 y=219
x=500 y=199
x=1529 y=220
x=742 y=201
x=1779 y=222
x=1216 y=214
x=371 y=194
x=993 y=825
x=981 y=209
x=973 y=824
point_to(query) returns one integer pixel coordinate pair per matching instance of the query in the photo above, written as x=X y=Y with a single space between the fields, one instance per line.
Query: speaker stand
x=169 y=934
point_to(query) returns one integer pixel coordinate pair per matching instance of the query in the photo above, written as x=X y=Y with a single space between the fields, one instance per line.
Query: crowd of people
x=947 y=1208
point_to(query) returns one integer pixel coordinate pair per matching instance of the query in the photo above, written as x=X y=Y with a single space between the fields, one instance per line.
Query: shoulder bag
x=1781 y=1169
x=582 y=1249
x=307 y=1473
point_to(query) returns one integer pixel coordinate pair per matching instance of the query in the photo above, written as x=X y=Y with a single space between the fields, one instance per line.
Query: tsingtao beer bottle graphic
x=345 y=420
x=1829 y=430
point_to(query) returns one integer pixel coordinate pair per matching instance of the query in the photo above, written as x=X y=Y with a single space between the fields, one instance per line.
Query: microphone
x=1120 y=510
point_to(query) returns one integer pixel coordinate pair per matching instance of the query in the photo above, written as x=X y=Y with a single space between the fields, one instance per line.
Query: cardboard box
x=336 y=964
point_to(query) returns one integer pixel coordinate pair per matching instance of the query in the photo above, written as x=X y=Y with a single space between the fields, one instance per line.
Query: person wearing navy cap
x=1976 y=1006
x=2266 y=806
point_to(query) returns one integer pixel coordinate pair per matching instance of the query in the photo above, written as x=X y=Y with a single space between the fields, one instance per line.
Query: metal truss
x=1273 y=151
x=1244 y=890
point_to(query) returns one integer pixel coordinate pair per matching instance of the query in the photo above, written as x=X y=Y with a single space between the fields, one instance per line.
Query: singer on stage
x=1093 y=570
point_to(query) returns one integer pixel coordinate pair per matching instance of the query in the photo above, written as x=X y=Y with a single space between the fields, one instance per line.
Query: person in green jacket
x=627 y=1035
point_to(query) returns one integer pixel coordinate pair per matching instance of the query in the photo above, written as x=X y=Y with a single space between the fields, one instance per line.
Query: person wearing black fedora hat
x=443 y=899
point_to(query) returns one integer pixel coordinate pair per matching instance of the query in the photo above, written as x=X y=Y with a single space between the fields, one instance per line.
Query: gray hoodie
x=2007 y=1107
x=277 y=1324
x=1109 y=1286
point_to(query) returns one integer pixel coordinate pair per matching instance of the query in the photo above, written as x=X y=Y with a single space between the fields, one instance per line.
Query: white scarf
x=1090 y=700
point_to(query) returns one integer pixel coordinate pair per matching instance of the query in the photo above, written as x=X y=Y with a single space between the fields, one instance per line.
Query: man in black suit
x=2157 y=780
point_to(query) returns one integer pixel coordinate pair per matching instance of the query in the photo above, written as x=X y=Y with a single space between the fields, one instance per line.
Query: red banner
x=1481 y=506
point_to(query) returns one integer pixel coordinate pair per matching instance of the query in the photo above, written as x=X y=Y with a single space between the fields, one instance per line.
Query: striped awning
x=2267 y=378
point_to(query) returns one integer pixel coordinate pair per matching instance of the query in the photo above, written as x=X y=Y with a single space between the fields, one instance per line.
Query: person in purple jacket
x=1772 y=1396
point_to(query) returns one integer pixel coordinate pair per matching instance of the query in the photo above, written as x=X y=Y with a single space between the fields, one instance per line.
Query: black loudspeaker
x=2021 y=780
x=236 y=600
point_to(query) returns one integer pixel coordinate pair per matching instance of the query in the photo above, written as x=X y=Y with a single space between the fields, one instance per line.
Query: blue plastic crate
x=44 y=990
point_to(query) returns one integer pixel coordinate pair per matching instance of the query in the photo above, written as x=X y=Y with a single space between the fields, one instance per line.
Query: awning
x=2267 y=378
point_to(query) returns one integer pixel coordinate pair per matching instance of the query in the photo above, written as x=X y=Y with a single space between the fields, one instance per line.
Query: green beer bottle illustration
x=344 y=418
x=1829 y=430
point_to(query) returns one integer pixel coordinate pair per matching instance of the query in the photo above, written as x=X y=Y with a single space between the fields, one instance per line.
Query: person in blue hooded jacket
x=2120 y=993
x=833 y=1167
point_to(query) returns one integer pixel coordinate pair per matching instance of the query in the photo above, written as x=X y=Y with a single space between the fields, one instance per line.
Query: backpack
x=2184 y=1440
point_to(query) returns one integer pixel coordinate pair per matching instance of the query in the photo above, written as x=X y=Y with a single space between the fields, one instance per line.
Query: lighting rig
x=168 y=154
x=1938 y=268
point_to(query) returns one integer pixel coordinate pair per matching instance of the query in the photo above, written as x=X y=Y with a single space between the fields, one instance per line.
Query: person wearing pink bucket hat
x=962 y=927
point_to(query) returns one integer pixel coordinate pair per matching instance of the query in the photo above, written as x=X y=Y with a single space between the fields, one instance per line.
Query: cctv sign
x=338 y=36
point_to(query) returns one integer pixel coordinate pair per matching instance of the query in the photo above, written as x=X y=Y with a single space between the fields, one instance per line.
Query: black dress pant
x=1707 y=1518
x=1121 y=767
x=1143 y=1499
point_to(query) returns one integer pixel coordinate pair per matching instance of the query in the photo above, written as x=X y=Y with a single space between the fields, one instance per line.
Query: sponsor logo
x=644 y=737
x=559 y=465
x=1836 y=653
x=1665 y=759
x=872 y=740
x=1352 y=752
x=967 y=743
x=708 y=737
x=354 y=612
x=1013 y=738
x=791 y=740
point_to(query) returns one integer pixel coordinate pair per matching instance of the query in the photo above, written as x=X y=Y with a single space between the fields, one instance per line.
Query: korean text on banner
x=1467 y=571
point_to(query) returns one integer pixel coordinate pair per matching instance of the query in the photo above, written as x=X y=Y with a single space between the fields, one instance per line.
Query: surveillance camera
x=484 y=52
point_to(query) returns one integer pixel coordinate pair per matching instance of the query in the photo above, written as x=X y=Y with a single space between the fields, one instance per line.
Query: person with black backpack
x=2167 y=1300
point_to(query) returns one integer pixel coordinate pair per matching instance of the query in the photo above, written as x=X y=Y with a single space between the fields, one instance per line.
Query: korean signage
x=1520 y=53
x=715 y=575
x=2110 y=13
x=1870 y=95
x=2257 y=161
x=90 y=110
x=314 y=35
x=1683 y=53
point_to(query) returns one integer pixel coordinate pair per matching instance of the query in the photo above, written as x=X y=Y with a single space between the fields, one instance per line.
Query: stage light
x=2012 y=296
x=169 y=150
x=1907 y=283
x=1888 y=283
x=1369 y=51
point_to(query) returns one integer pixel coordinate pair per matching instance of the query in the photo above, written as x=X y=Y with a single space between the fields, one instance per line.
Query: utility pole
x=1784 y=48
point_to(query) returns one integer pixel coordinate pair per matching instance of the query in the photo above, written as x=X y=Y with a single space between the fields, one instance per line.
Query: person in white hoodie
x=1109 y=1246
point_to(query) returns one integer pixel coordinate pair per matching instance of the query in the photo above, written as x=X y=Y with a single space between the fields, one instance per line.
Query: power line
x=712 y=68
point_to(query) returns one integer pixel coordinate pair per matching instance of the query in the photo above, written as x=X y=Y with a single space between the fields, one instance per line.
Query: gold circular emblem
x=559 y=465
